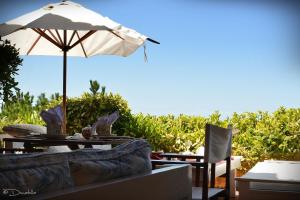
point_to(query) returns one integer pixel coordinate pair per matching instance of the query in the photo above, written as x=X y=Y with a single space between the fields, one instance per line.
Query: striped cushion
x=94 y=165
x=37 y=173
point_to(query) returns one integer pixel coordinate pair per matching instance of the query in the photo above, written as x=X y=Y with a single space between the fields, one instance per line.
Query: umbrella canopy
x=67 y=28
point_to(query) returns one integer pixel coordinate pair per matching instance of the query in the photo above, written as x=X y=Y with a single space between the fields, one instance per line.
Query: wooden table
x=271 y=180
x=32 y=142
x=220 y=167
x=182 y=157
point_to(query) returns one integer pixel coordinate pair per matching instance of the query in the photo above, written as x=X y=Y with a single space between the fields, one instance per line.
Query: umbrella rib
x=83 y=38
x=39 y=31
x=35 y=42
x=81 y=44
x=71 y=38
x=55 y=38
x=116 y=34
x=59 y=37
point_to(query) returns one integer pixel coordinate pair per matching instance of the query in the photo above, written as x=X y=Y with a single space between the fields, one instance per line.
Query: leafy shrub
x=20 y=110
x=84 y=111
x=170 y=133
x=260 y=135
x=267 y=136
x=81 y=111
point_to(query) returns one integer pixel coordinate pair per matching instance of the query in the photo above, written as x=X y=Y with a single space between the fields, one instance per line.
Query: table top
x=176 y=155
x=48 y=141
x=192 y=156
x=234 y=164
x=274 y=172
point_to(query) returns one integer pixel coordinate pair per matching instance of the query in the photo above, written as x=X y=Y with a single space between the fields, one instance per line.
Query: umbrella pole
x=64 y=128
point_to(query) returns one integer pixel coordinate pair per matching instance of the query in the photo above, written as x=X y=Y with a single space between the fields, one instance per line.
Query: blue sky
x=227 y=56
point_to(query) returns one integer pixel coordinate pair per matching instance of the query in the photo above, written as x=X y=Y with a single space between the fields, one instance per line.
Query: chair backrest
x=217 y=143
x=217 y=148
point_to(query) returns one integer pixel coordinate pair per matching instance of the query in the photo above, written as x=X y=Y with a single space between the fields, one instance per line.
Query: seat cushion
x=37 y=173
x=94 y=165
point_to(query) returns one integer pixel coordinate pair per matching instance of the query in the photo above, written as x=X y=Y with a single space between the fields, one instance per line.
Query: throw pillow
x=31 y=174
x=94 y=165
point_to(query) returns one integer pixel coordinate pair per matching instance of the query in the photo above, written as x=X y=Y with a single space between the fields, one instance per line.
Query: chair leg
x=227 y=186
x=205 y=182
x=232 y=183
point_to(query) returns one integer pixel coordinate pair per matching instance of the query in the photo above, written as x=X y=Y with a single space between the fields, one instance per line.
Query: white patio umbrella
x=67 y=28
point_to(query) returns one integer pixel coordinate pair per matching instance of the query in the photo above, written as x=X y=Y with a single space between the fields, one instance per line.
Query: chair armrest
x=164 y=162
x=181 y=156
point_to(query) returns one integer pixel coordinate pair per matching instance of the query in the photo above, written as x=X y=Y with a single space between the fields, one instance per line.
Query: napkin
x=104 y=123
x=53 y=118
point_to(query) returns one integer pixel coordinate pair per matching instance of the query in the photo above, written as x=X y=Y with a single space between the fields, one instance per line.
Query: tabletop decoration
x=87 y=132
x=53 y=118
x=103 y=125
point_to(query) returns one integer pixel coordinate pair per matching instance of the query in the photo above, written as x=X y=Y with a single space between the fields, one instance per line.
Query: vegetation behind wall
x=258 y=135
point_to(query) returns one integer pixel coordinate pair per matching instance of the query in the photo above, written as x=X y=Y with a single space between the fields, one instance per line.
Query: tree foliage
x=81 y=111
x=9 y=63
x=94 y=87
x=258 y=135
x=85 y=110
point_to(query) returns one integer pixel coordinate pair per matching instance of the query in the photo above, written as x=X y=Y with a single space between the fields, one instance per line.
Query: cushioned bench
x=167 y=183
x=271 y=180
x=85 y=173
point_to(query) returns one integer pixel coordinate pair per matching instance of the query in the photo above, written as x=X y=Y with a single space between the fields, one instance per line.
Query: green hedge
x=259 y=135
x=20 y=110
x=84 y=111
x=266 y=135
x=81 y=111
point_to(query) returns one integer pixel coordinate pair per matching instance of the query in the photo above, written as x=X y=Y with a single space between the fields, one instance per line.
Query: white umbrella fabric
x=67 y=28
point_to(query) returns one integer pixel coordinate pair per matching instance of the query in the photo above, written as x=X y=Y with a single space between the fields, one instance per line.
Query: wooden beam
x=88 y=34
x=116 y=34
x=54 y=37
x=57 y=33
x=81 y=44
x=35 y=42
x=64 y=128
x=47 y=37
x=71 y=38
